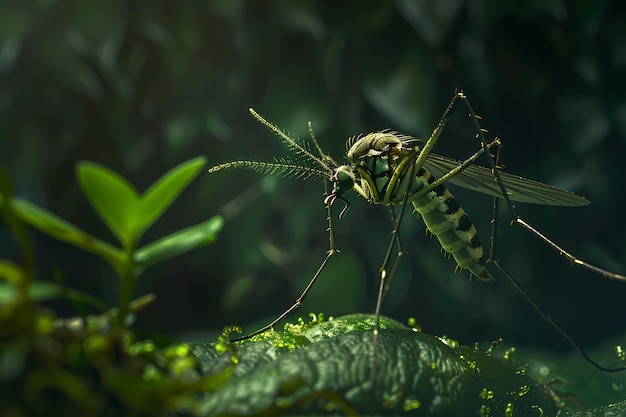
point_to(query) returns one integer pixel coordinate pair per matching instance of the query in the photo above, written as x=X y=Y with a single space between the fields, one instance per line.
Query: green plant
x=126 y=213
x=95 y=365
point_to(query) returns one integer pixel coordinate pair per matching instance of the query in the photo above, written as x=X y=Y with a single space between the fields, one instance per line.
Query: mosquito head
x=343 y=180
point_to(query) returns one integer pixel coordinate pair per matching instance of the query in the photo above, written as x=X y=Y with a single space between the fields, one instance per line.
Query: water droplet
x=508 y=353
x=508 y=411
x=486 y=394
x=411 y=404
x=523 y=390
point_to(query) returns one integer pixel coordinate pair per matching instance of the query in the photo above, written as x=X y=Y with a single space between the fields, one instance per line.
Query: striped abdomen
x=446 y=219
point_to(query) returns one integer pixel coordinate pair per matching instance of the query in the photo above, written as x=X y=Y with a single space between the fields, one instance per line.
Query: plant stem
x=128 y=277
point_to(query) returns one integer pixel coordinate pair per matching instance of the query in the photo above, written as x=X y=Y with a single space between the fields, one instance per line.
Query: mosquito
x=392 y=169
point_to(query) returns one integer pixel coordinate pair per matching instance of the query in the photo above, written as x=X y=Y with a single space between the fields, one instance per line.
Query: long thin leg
x=516 y=218
x=385 y=276
x=495 y=261
x=574 y=260
x=399 y=253
x=331 y=251
x=552 y=323
x=494 y=216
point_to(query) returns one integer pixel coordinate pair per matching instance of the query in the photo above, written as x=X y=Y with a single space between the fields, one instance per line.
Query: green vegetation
x=329 y=369
x=94 y=365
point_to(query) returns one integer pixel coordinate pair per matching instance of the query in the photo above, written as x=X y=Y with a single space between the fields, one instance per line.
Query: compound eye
x=343 y=179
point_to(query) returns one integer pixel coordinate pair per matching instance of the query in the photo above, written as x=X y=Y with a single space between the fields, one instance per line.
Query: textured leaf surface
x=329 y=368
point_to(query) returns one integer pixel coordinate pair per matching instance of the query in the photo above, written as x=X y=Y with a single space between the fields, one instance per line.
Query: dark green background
x=143 y=86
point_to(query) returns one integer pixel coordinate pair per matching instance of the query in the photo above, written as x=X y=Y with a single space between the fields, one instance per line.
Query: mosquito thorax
x=374 y=144
x=375 y=156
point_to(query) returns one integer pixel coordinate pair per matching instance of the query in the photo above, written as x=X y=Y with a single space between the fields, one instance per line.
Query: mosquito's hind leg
x=494 y=161
x=516 y=218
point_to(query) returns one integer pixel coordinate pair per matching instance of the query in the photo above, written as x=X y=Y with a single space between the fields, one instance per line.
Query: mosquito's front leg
x=331 y=251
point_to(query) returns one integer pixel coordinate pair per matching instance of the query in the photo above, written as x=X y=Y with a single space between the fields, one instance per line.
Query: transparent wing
x=480 y=179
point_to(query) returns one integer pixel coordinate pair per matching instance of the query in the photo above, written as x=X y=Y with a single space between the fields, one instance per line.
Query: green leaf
x=115 y=200
x=119 y=204
x=43 y=291
x=17 y=228
x=11 y=272
x=163 y=192
x=60 y=229
x=330 y=368
x=179 y=242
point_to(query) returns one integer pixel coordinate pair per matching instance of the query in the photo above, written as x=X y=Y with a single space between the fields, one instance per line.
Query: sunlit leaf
x=179 y=242
x=60 y=229
x=114 y=199
x=167 y=188
x=41 y=290
x=119 y=204
x=10 y=272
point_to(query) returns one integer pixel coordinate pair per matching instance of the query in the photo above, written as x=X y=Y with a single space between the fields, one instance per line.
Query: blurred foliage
x=141 y=86
x=127 y=214
x=87 y=366
x=95 y=365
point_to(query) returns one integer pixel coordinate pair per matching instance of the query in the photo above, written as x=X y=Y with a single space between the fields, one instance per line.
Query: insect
x=392 y=169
